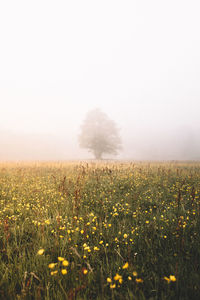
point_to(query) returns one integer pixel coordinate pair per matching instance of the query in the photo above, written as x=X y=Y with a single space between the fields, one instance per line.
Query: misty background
x=138 y=61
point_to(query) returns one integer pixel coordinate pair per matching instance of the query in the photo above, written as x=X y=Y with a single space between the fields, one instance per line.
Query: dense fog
x=138 y=61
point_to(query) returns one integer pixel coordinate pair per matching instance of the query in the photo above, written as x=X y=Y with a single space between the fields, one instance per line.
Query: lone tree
x=99 y=134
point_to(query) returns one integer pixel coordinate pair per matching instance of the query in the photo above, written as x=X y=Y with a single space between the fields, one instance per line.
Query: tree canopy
x=99 y=134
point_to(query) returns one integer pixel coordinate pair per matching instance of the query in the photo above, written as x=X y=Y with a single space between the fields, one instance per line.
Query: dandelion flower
x=113 y=286
x=64 y=271
x=172 y=278
x=109 y=280
x=52 y=265
x=60 y=258
x=134 y=273
x=125 y=266
x=167 y=279
x=40 y=252
x=138 y=280
x=54 y=273
x=117 y=277
x=85 y=271
x=65 y=263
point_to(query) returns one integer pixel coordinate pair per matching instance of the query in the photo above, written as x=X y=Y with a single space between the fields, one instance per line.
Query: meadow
x=99 y=230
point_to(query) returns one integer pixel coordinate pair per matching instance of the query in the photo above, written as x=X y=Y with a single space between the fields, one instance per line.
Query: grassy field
x=99 y=230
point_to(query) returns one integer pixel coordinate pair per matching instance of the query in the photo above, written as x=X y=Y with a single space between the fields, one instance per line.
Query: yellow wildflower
x=64 y=271
x=117 y=277
x=172 y=278
x=138 y=280
x=60 y=258
x=52 y=265
x=167 y=279
x=40 y=252
x=54 y=273
x=65 y=263
x=125 y=266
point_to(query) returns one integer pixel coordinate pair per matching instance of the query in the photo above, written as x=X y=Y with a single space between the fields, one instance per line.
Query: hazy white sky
x=139 y=61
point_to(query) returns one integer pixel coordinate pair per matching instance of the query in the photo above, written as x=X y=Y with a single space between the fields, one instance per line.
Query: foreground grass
x=99 y=231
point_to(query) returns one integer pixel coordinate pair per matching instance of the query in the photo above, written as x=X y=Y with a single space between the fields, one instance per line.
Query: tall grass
x=99 y=230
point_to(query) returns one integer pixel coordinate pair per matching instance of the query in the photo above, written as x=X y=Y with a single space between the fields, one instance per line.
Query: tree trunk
x=98 y=154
